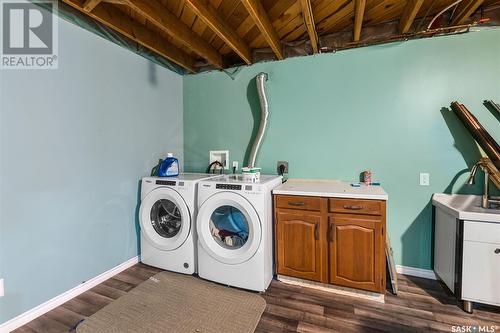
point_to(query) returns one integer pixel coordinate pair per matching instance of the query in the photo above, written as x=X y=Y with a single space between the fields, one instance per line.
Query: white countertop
x=465 y=207
x=330 y=188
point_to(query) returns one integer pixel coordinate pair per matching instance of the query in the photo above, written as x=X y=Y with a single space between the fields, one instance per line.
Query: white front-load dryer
x=235 y=233
x=167 y=216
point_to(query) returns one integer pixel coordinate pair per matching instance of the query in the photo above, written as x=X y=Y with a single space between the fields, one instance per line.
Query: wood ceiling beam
x=113 y=18
x=259 y=16
x=359 y=12
x=409 y=13
x=464 y=10
x=89 y=5
x=211 y=17
x=170 y=24
x=307 y=14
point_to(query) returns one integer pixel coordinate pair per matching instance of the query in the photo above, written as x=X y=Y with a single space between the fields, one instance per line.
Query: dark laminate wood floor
x=421 y=306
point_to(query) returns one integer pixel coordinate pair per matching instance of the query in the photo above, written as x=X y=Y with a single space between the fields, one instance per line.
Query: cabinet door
x=298 y=245
x=356 y=251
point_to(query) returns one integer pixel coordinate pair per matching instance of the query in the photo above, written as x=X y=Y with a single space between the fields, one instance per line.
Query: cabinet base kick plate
x=346 y=291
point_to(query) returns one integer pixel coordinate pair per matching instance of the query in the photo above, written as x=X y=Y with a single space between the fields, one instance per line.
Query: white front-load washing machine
x=167 y=216
x=235 y=232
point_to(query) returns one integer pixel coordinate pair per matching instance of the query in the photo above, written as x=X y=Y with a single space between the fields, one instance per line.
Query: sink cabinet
x=467 y=252
x=338 y=241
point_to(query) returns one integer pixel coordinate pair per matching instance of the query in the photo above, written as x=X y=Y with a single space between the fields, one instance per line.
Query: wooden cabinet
x=331 y=240
x=356 y=251
x=299 y=249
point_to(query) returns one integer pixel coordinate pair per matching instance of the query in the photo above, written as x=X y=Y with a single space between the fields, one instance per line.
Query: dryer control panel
x=228 y=187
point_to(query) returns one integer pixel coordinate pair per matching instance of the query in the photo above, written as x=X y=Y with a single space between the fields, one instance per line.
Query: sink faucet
x=487 y=200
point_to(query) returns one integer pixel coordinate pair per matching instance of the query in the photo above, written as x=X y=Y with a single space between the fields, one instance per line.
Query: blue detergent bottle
x=169 y=167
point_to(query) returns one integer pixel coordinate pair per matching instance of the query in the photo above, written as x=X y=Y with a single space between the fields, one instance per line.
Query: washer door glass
x=165 y=219
x=229 y=227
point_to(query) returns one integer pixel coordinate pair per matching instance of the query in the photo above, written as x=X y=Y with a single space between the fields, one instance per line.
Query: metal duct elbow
x=264 y=114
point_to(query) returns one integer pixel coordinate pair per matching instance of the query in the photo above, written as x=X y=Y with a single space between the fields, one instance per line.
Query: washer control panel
x=165 y=182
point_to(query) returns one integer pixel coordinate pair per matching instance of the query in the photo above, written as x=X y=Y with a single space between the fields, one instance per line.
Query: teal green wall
x=74 y=144
x=377 y=108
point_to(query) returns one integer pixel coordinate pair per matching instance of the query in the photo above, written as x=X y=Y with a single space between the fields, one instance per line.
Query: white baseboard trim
x=419 y=272
x=39 y=310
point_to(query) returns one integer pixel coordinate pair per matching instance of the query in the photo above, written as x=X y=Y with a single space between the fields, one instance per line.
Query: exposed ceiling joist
x=211 y=17
x=169 y=23
x=359 y=12
x=89 y=5
x=464 y=10
x=307 y=14
x=210 y=34
x=409 y=13
x=259 y=16
x=118 y=21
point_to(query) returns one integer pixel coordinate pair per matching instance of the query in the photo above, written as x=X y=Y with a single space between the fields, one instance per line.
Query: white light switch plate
x=235 y=165
x=2 y=293
x=424 y=179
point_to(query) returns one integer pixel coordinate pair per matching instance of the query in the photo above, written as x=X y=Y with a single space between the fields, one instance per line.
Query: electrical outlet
x=280 y=163
x=221 y=156
x=424 y=179
x=235 y=165
x=2 y=291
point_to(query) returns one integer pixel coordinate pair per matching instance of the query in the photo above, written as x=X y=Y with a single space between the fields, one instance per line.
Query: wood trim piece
x=418 y=272
x=464 y=10
x=89 y=5
x=211 y=17
x=409 y=13
x=259 y=16
x=118 y=21
x=359 y=12
x=333 y=289
x=307 y=14
x=161 y=17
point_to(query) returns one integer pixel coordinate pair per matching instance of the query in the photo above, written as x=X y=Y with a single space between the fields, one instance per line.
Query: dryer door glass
x=166 y=218
x=229 y=227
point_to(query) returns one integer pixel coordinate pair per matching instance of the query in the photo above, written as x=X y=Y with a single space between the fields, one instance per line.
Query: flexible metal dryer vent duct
x=264 y=114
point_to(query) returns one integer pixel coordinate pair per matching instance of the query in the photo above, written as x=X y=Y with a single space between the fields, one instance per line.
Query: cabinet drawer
x=355 y=206
x=482 y=232
x=298 y=202
x=481 y=272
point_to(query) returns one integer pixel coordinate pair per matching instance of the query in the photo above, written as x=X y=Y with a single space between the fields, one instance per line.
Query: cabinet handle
x=296 y=203
x=353 y=207
x=316 y=236
x=497 y=251
x=330 y=232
